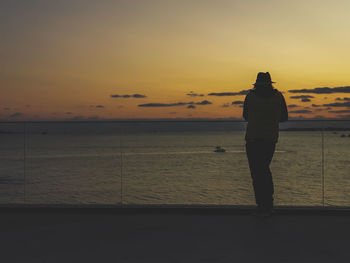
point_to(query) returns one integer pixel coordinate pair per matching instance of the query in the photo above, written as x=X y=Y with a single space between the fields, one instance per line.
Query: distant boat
x=219 y=150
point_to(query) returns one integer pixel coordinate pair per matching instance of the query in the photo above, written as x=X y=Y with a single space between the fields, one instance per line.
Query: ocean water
x=166 y=163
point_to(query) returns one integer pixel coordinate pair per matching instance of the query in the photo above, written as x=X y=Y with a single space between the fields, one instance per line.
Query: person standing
x=264 y=108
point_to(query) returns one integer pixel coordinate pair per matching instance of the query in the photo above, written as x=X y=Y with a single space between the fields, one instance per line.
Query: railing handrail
x=164 y=121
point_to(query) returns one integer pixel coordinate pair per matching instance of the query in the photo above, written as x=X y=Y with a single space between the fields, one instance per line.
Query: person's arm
x=284 y=110
x=245 y=108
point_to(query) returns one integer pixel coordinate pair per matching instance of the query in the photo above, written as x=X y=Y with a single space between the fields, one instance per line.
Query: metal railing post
x=121 y=172
x=24 y=159
x=322 y=168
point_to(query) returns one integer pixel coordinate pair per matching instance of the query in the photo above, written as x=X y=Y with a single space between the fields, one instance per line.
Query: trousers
x=260 y=155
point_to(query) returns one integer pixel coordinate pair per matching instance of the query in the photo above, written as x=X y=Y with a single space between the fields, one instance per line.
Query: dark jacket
x=264 y=109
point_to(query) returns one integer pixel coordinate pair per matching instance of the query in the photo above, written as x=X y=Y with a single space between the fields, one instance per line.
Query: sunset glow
x=64 y=59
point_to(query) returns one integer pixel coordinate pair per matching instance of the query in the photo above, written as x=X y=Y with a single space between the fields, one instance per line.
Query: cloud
x=302 y=97
x=137 y=96
x=76 y=118
x=191 y=107
x=162 y=104
x=97 y=106
x=172 y=112
x=204 y=102
x=28 y=106
x=338 y=104
x=94 y=117
x=225 y=105
x=242 y=92
x=319 y=109
x=305 y=100
x=301 y=111
x=344 y=116
x=315 y=105
x=16 y=114
x=339 y=111
x=6 y=108
x=299 y=117
x=69 y=113
x=237 y=102
x=323 y=90
x=319 y=117
x=343 y=99
x=293 y=106
x=192 y=94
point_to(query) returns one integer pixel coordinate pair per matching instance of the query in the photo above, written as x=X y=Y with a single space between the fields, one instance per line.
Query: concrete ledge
x=172 y=234
x=170 y=209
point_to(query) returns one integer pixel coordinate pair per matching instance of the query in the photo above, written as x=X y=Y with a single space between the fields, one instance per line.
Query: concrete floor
x=111 y=236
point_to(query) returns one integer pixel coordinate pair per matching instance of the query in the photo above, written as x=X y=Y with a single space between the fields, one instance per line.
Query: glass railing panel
x=336 y=163
x=12 y=165
x=175 y=163
x=73 y=163
x=168 y=163
x=297 y=166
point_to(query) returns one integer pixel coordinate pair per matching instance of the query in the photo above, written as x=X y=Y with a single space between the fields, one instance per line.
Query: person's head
x=263 y=81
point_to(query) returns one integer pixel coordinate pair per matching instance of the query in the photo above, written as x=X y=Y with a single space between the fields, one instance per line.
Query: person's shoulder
x=250 y=91
x=249 y=94
x=277 y=92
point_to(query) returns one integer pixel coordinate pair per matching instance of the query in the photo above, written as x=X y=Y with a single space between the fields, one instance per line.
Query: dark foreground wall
x=202 y=235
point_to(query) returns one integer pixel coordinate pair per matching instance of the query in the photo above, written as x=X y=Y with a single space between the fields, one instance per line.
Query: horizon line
x=167 y=120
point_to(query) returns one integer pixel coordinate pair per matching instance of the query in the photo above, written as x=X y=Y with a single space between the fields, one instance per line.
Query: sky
x=84 y=59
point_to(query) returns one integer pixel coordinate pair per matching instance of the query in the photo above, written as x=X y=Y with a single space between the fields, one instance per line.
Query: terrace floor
x=172 y=235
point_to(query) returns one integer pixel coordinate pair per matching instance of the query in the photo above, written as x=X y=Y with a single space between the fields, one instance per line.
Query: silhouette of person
x=264 y=107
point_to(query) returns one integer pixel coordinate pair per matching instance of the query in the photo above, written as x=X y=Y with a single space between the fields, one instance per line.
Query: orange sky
x=60 y=59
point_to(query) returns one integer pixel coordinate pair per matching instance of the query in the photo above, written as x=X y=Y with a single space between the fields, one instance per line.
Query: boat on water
x=218 y=149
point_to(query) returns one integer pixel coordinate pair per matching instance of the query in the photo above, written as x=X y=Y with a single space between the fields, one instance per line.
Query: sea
x=168 y=163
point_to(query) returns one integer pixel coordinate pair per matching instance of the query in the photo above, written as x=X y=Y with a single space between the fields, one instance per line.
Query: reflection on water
x=164 y=167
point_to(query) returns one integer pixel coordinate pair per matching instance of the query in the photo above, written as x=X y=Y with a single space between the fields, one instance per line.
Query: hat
x=263 y=78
